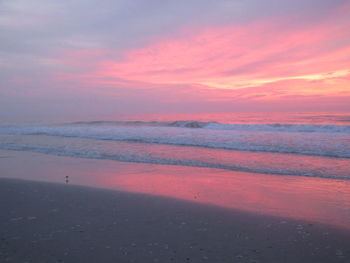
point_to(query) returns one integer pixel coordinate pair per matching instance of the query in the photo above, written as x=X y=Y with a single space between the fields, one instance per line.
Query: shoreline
x=49 y=222
x=311 y=199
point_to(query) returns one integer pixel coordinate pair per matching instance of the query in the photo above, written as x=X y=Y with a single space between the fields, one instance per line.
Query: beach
x=175 y=131
x=58 y=223
x=242 y=188
x=167 y=218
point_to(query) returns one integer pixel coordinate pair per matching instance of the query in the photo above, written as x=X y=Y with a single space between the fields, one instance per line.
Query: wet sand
x=318 y=200
x=50 y=222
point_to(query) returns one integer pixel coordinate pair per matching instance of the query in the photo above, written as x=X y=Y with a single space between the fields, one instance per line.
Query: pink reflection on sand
x=320 y=200
x=313 y=199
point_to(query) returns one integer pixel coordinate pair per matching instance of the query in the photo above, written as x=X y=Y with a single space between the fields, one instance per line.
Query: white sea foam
x=326 y=143
x=285 y=149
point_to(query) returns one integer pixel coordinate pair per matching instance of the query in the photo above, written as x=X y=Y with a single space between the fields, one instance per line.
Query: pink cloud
x=235 y=57
x=266 y=60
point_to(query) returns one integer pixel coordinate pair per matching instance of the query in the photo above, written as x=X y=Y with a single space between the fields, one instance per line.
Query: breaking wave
x=256 y=138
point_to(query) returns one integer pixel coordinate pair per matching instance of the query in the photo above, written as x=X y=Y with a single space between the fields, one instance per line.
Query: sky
x=90 y=58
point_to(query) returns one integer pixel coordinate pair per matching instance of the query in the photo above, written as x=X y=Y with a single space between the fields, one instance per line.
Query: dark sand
x=47 y=222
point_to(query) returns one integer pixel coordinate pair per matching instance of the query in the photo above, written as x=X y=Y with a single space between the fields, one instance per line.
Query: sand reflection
x=321 y=200
x=308 y=198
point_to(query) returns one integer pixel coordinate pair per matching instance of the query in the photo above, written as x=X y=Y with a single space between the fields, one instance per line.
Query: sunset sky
x=98 y=58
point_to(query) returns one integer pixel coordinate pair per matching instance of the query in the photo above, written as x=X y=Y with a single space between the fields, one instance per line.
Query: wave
x=125 y=156
x=280 y=127
x=183 y=124
x=304 y=143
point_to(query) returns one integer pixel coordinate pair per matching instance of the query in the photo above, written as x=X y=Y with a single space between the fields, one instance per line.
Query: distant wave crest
x=280 y=127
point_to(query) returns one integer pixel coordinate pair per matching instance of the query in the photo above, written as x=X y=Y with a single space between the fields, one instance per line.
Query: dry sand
x=48 y=222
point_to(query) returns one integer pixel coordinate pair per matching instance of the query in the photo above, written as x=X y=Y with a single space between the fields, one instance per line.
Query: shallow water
x=315 y=145
x=290 y=165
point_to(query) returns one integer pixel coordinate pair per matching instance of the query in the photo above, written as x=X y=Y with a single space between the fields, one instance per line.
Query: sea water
x=298 y=144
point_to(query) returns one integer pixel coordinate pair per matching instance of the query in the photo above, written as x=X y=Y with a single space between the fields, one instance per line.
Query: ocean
x=293 y=144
